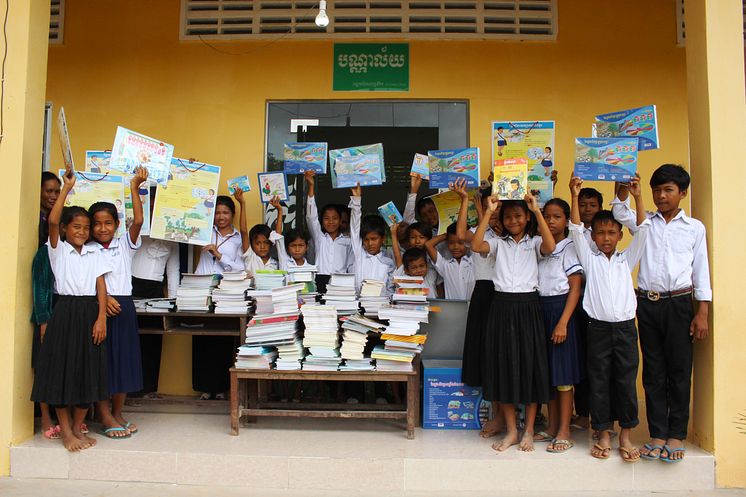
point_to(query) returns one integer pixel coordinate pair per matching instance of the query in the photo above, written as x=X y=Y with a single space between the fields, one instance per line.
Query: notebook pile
x=305 y=274
x=255 y=357
x=155 y=305
x=230 y=295
x=267 y=279
x=321 y=338
x=285 y=298
x=340 y=293
x=403 y=331
x=372 y=296
x=410 y=289
x=195 y=292
x=356 y=331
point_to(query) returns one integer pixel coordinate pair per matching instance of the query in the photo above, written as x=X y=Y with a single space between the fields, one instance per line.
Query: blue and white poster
x=448 y=166
x=606 y=159
x=449 y=404
x=301 y=157
x=640 y=123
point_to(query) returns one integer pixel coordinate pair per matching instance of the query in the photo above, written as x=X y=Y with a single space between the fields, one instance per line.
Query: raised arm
x=355 y=214
x=243 y=225
x=395 y=248
x=172 y=270
x=277 y=238
x=141 y=175
x=478 y=244
x=415 y=180
x=582 y=248
x=462 y=230
x=547 y=239
x=636 y=191
x=431 y=244
x=575 y=185
x=68 y=181
x=312 y=212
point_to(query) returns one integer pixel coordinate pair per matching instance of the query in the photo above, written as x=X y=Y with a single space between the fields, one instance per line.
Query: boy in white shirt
x=610 y=304
x=458 y=271
x=673 y=271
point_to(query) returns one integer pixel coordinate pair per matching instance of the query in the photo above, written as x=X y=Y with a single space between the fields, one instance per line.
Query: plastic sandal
x=604 y=452
x=107 y=432
x=567 y=446
x=52 y=433
x=650 y=448
x=627 y=456
x=84 y=429
x=670 y=451
x=128 y=425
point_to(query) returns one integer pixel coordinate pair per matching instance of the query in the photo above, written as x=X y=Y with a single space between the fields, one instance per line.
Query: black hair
x=293 y=235
x=671 y=173
x=422 y=228
x=226 y=201
x=343 y=209
x=562 y=204
x=550 y=148
x=422 y=203
x=451 y=230
x=372 y=223
x=259 y=229
x=107 y=207
x=47 y=176
x=531 y=228
x=69 y=213
x=591 y=193
x=413 y=254
x=603 y=217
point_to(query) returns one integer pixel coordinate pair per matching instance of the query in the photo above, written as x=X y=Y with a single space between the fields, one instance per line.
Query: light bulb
x=322 y=20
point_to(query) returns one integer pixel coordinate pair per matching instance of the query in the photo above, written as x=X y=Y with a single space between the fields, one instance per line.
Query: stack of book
x=410 y=289
x=255 y=357
x=155 y=305
x=262 y=300
x=340 y=293
x=285 y=298
x=403 y=331
x=371 y=297
x=273 y=331
x=355 y=333
x=321 y=338
x=230 y=296
x=267 y=279
x=305 y=274
x=195 y=291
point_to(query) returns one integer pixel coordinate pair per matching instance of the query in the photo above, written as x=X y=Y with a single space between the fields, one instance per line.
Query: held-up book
x=447 y=166
x=273 y=185
x=362 y=164
x=421 y=166
x=510 y=181
x=239 y=183
x=606 y=159
x=640 y=123
x=390 y=213
x=302 y=157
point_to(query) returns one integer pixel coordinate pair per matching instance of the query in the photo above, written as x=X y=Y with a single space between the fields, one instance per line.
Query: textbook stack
x=285 y=298
x=340 y=293
x=277 y=332
x=155 y=305
x=356 y=330
x=305 y=274
x=321 y=338
x=255 y=357
x=195 y=291
x=268 y=279
x=403 y=331
x=371 y=298
x=410 y=289
x=230 y=296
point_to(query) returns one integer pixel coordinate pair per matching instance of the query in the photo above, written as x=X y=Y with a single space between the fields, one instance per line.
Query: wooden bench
x=246 y=399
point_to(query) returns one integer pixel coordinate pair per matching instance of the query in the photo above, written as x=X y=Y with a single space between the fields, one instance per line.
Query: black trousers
x=666 y=364
x=151 y=346
x=613 y=361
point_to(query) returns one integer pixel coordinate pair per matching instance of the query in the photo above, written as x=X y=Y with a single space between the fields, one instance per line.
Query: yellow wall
x=123 y=64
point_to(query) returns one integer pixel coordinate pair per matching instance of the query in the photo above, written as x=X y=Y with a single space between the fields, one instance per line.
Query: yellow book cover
x=510 y=179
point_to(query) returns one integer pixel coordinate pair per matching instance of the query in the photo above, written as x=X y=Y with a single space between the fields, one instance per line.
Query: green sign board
x=371 y=67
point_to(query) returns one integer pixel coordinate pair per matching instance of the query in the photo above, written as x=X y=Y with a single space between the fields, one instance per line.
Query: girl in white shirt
x=514 y=365
x=71 y=369
x=123 y=342
x=560 y=281
x=213 y=356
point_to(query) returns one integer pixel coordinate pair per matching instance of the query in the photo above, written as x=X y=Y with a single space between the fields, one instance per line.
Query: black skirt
x=514 y=361
x=476 y=322
x=123 y=344
x=71 y=370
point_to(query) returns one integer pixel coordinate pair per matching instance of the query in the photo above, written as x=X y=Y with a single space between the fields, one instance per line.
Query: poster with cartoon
x=129 y=213
x=421 y=166
x=64 y=136
x=97 y=161
x=390 y=213
x=273 y=185
x=361 y=164
x=448 y=204
x=510 y=179
x=532 y=141
x=301 y=157
x=94 y=187
x=239 y=183
x=606 y=159
x=133 y=149
x=640 y=123
x=185 y=205
x=448 y=166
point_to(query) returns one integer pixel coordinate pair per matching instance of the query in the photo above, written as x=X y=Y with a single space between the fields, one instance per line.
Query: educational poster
x=640 y=123
x=510 y=179
x=97 y=161
x=93 y=187
x=64 y=136
x=367 y=171
x=302 y=157
x=449 y=404
x=448 y=204
x=390 y=213
x=129 y=213
x=185 y=206
x=605 y=159
x=421 y=166
x=273 y=185
x=239 y=183
x=530 y=140
x=447 y=166
x=132 y=149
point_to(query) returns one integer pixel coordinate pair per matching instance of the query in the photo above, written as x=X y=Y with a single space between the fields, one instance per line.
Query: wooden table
x=245 y=398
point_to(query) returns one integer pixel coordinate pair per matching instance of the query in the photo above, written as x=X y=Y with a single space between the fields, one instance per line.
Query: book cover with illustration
x=421 y=166
x=390 y=213
x=361 y=164
x=510 y=179
x=640 y=123
x=305 y=156
x=273 y=185
x=239 y=183
x=606 y=159
x=447 y=166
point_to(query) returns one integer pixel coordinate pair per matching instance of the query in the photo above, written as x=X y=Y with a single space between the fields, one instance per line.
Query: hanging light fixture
x=322 y=20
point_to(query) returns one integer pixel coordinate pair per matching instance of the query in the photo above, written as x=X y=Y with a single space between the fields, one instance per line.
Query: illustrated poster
x=640 y=123
x=605 y=159
x=133 y=149
x=421 y=166
x=64 y=136
x=510 y=179
x=366 y=171
x=273 y=185
x=448 y=204
x=239 y=183
x=93 y=187
x=390 y=213
x=97 y=161
x=301 y=157
x=447 y=166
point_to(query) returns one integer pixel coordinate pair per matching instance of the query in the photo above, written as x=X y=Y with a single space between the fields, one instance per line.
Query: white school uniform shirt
x=75 y=273
x=229 y=247
x=332 y=255
x=154 y=258
x=408 y=215
x=458 y=276
x=284 y=261
x=484 y=265
x=367 y=266
x=119 y=256
x=554 y=269
x=431 y=279
x=675 y=255
x=609 y=290
x=252 y=262
x=516 y=264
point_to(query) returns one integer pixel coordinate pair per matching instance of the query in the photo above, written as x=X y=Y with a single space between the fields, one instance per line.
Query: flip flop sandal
x=650 y=448
x=566 y=443
x=670 y=451
x=127 y=426
x=626 y=456
x=84 y=429
x=543 y=437
x=52 y=433
x=107 y=432
x=605 y=451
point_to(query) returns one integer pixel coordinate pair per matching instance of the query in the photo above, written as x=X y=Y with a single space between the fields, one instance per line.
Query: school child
x=50 y=190
x=331 y=245
x=213 y=356
x=514 y=365
x=559 y=293
x=71 y=368
x=367 y=237
x=291 y=248
x=610 y=304
x=673 y=272
x=123 y=338
x=256 y=243
x=414 y=262
x=479 y=305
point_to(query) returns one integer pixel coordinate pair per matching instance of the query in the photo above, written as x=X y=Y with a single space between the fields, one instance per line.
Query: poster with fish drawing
x=362 y=164
x=605 y=159
x=640 y=123
x=301 y=157
x=447 y=166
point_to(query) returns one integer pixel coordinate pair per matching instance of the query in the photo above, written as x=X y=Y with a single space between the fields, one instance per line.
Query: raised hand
x=238 y=195
x=140 y=177
x=492 y=204
x=459 y=186
x=575 y=185
x=635 y=189
x=310 y=177
x=357 y=191
x=275 y=202
x=553 y=177
x=533 y=204
x=415 y=181
x=68 y=179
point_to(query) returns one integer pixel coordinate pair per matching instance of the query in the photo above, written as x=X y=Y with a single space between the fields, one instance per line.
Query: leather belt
x=656 y=296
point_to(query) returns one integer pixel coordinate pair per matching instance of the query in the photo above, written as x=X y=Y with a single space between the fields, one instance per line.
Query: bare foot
x=85 y=438
x=673 y=454
x=73 y=443
x=492 y=428
x=527 y=442
x=510 y=439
